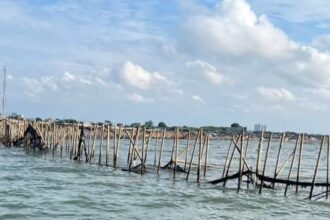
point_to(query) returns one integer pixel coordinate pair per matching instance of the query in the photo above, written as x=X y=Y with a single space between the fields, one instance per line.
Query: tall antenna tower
x=4 y=88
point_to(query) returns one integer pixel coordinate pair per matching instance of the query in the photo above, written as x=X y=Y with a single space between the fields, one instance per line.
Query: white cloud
x=235 y=29
x=208 y=71
x=322 y=92
x=275 y=94
x=68 y=77
x=135 y=97
x=34 y=87
x=246 y=43
x=135 y=76
x=322 y=42
x=198 y=99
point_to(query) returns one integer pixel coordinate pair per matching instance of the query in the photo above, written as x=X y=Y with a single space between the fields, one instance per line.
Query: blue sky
x=188 y=62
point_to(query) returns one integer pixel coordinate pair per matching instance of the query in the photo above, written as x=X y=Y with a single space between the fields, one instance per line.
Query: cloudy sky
x=189 y=62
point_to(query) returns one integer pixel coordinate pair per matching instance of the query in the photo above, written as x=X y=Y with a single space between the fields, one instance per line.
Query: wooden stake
x=299 y=160
x=176 y=152
x=259 y=151
x=187 y=150
x=100 y=149
x=206 y=154
x=156 y=145
x=316 y=169
x=117 y=146
x=192 y=155
x=161 y=151
x=240 y=169
x=265 y=162
x=292 y=162
x=278 y=158
x=108 y=146
x=199 y=156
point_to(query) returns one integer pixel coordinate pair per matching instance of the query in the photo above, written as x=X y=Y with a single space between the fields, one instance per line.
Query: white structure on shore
x=259 y=127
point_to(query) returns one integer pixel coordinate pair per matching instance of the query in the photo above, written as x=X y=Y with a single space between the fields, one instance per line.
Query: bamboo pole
x=187 y=149
x=118 y=145
x=265 y=162
x=206 y=154
x=240 y=169
x=130 y=145
x=101 y=143
x=259 y=151
x=156 y=145
x=114 y=145
x=108 y=146
x=96 y=131
x=90 y=142
x=161 y=151
x=143 y=143
x=278 y=158
x=176 y=152
x=192 y=155
x=199 y=156
x=292 y=162
x=316 y=168
x=299 y=160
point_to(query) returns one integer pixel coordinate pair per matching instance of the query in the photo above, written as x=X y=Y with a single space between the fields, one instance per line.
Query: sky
x=188 y=62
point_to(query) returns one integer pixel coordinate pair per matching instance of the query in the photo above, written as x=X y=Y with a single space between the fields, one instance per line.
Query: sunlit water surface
x=43 y=186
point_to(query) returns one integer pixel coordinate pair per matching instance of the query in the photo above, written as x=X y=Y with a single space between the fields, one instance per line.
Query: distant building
x=259 y=127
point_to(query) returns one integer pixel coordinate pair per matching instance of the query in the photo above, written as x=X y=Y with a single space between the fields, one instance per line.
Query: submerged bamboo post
x=206 y=154
x=130 y=144
x=96 y=131
x=176 y=152
x=143 y=143
x=265 y=162
x=292 y=162
x=299 y=160
x=259 y=151
x=199 y=156
x=316 y=168
x=278 y=158
x=240 y=169
x=117 y=146
x=187 y=149
x=161 y=151
x=156 y=145
x=192 y=155
x=114 y=145
x=100 y=149
x=108 y=146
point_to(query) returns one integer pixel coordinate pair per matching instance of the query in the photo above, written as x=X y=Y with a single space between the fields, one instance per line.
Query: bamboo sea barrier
x=265 y=162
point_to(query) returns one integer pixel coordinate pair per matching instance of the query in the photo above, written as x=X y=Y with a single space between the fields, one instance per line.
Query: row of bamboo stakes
x=71 y=138
x=238 y=144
